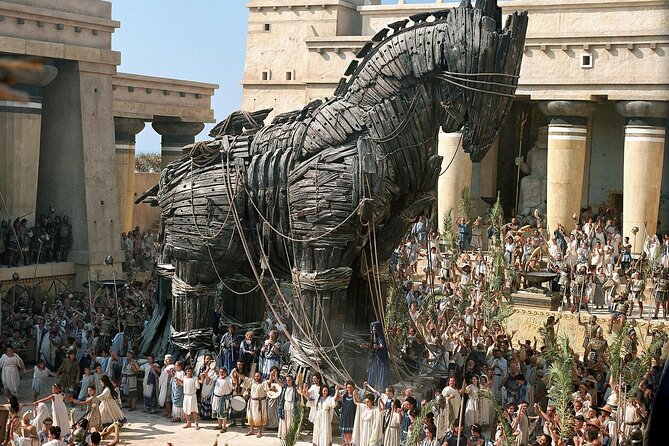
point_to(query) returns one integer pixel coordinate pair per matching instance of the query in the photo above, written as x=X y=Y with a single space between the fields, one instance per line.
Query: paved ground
x=143 y=429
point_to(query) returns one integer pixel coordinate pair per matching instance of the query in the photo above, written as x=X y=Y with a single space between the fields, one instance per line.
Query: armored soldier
x=636 y=289
x=132 y=320
x=4 y=239
x=64 y=239
x=106 y=326
x=591 y=328
x=36 y=242
x=661 y=291
x=13 y=245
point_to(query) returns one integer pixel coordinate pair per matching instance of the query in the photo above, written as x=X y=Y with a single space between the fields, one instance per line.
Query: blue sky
x=204 y=41
x=198 y=40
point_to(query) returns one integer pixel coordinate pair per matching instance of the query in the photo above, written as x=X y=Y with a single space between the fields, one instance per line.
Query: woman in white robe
x=10 y=363
x=393 y=433
x=368 y=425
x=473 y=408
x=322 y=409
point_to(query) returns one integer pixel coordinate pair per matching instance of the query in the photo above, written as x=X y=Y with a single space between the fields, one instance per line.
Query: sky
x=196 y=40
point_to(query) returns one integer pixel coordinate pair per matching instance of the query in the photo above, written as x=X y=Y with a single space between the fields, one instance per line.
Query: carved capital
x=652 y=113
x=125 y=129
x=177 y=134
x=568 y=112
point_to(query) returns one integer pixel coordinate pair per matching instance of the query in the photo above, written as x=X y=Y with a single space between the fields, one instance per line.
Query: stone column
x=457 y=173
x=20 y=128
x=567 y=145
x=645 y=132
x=125 y=130
x=175 y=135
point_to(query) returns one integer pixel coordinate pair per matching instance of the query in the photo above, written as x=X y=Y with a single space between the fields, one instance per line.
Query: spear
x=522 y=118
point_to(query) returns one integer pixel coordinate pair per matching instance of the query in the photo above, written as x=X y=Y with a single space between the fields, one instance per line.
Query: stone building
x=72 y=145
x=595 y=72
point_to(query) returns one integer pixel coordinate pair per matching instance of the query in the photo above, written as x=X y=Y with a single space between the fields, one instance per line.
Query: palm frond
x=560 y=385
x=293 y=433
x=414 y=433
x=465 y=202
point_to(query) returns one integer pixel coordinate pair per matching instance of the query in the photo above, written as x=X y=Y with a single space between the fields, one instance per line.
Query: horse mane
x=462 y=34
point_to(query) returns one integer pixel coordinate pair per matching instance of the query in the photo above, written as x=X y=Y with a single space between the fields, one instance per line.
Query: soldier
x=13 y=245
x=24 y=235
x=106 y=327
x=4 y=240
x=64 y=239
x=36 y=242
x=662 y=292
x=132 y=320
x=590 y=332
x=636 y=289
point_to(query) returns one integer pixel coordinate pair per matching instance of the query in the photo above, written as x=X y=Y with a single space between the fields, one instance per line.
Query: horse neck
x=406 y=128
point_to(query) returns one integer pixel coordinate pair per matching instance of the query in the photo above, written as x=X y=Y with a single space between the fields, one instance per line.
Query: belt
x=190 y=394
x=259 y=399
x=223 y=396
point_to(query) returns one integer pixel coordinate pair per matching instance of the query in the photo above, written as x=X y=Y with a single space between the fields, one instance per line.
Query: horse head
x=463 y=58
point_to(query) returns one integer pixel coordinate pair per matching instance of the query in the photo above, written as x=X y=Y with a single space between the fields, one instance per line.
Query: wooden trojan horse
x=323 y=193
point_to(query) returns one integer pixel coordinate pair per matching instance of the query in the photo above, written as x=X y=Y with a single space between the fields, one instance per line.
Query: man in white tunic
x=256 y=411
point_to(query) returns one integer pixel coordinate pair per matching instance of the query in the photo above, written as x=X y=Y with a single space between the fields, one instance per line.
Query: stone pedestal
x=125 y=130
x=20 y=131
x=175 y=135
x=645 y=133
x=457 y=173
x=567 y=145
x=538 y=300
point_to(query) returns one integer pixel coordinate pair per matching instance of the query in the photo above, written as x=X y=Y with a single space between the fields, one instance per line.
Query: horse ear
x=490 y=9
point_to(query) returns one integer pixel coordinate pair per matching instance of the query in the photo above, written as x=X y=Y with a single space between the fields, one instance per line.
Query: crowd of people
x=48 y=240
x=86 y=342
x=139 y=248
x=474 y=382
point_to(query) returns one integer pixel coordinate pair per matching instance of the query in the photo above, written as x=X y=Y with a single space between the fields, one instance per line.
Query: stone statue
x=533 y=186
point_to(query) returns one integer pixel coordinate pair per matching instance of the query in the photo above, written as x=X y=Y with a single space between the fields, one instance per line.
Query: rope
x=258 y=279
x=466 y=87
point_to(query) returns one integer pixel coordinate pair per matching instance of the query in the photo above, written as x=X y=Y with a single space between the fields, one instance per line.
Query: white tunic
x=10 y=372
x=256 y=411
x=190 y=397
x=322 y=411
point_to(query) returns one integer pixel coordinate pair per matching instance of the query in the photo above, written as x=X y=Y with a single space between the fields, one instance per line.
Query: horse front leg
x=321 y=302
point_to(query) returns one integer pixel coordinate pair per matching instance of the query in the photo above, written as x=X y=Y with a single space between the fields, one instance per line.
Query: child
x=190 y=386
x=93 y=414
x=86 y=381
x=58 y=409
x=40 y=373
